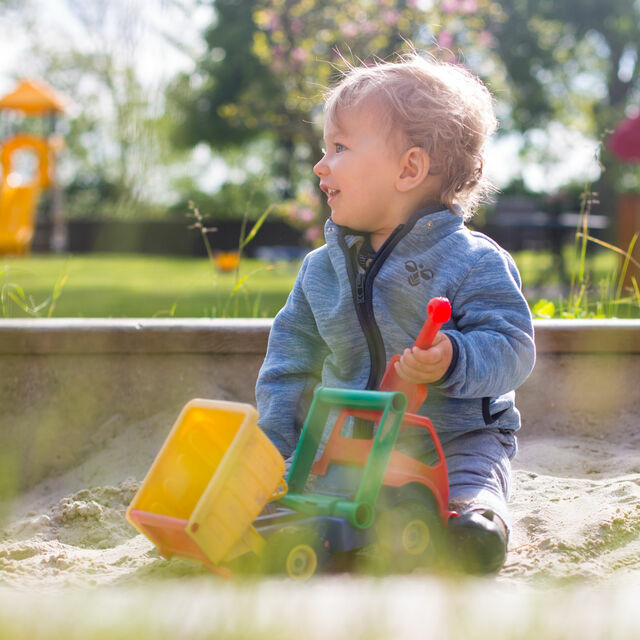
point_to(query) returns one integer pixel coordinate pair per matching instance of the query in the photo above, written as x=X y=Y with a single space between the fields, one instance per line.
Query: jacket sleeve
x=493 y=347
x=291 y=370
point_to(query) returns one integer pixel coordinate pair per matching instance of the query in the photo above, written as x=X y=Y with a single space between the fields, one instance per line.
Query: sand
x=575 y=541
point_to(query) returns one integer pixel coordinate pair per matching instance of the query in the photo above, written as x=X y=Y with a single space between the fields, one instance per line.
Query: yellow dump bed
x=214 y=474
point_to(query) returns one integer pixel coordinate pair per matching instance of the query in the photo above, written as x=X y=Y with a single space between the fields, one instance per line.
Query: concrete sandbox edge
x=62 y=381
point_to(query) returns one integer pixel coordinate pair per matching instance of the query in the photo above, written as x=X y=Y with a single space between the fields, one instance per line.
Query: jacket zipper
x=360 y=280
x=362 y=287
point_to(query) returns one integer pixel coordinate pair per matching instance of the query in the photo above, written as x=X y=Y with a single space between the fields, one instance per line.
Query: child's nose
x=320 y=168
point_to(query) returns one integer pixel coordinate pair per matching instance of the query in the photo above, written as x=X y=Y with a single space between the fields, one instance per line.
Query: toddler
x=402 y=171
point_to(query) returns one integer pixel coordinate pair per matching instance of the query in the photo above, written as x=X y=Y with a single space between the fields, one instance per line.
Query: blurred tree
x=268 y=62
x=116 y=130
x=574 y=62
x=229 y=73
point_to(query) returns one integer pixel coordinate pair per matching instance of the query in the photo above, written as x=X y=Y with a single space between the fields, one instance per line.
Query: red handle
x=438 y=312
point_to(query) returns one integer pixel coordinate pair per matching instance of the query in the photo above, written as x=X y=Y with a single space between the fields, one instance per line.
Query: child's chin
x=346 y=221
x=343 y=221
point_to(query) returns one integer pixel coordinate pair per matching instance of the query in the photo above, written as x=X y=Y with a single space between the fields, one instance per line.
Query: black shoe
x=478 y=542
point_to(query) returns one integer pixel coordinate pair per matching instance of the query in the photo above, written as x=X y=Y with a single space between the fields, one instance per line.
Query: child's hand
x=426 y=365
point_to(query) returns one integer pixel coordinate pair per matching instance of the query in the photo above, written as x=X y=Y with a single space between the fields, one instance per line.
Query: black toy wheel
x=297 y=552
x=409 y=535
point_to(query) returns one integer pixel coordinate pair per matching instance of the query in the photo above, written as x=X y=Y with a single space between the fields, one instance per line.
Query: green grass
x=538 y=268
x=115 y=286
x=122 y=285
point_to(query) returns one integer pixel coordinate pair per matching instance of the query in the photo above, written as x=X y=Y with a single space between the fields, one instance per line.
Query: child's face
x=359 y=169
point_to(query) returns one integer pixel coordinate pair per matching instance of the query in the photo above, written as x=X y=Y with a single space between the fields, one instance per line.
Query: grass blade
x=63 y=276
x=607 y=245
x=625 y=266
x=256 y=227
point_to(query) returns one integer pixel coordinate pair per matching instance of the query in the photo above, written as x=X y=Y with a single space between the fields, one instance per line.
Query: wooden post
x=58 y=239
x=628 y=225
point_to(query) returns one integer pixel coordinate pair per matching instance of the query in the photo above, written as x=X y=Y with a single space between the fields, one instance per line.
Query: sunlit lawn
x=108 y=285
x=112 y=285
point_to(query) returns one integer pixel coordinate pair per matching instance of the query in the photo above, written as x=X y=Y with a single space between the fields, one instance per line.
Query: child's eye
x=339 y=147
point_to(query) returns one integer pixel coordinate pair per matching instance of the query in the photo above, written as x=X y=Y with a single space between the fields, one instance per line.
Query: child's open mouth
x=331 y=194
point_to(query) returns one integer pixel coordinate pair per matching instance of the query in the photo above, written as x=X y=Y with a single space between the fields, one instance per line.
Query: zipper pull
x=360 y=287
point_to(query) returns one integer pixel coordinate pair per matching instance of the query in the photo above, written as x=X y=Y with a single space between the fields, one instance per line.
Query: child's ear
x=414 y=168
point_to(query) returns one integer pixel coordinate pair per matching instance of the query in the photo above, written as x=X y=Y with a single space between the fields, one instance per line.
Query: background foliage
x=247 y=98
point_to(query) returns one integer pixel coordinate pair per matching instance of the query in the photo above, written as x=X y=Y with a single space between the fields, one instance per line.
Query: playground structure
x=27 y=161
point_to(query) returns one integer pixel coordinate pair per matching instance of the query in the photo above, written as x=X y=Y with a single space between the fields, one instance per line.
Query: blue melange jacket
x=340 y=326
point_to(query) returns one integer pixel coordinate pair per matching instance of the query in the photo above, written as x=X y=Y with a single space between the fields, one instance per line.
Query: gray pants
x=479 y=467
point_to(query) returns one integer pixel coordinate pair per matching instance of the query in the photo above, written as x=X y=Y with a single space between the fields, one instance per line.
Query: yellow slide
x=19 y=194
x=17 y=217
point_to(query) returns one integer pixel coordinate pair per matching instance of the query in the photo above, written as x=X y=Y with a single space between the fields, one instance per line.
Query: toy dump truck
x=217 y=494
x=216 y=472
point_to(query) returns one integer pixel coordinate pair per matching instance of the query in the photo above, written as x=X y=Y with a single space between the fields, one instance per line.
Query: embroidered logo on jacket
x=417 y=271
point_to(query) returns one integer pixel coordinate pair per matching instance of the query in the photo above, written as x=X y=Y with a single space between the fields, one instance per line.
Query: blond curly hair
x=438 y=106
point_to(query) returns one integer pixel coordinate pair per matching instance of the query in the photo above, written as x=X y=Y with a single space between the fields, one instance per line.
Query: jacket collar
x=441 y=221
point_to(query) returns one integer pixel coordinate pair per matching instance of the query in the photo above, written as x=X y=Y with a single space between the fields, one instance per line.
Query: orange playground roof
x=33 y=97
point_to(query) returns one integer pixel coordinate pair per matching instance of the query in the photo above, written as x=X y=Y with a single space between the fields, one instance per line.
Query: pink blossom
x=299 y=54
x=274 y=22
x=485 y=38
x=449 y=6
x=369 y=27
x=390 y=17
x=296 y=25
x=305 y=215
x=468 y=6
x=350 y=29
x=445 y=39
x=312 y=234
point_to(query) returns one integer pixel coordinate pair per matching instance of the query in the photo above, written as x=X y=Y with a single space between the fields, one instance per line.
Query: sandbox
x=87 y=404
